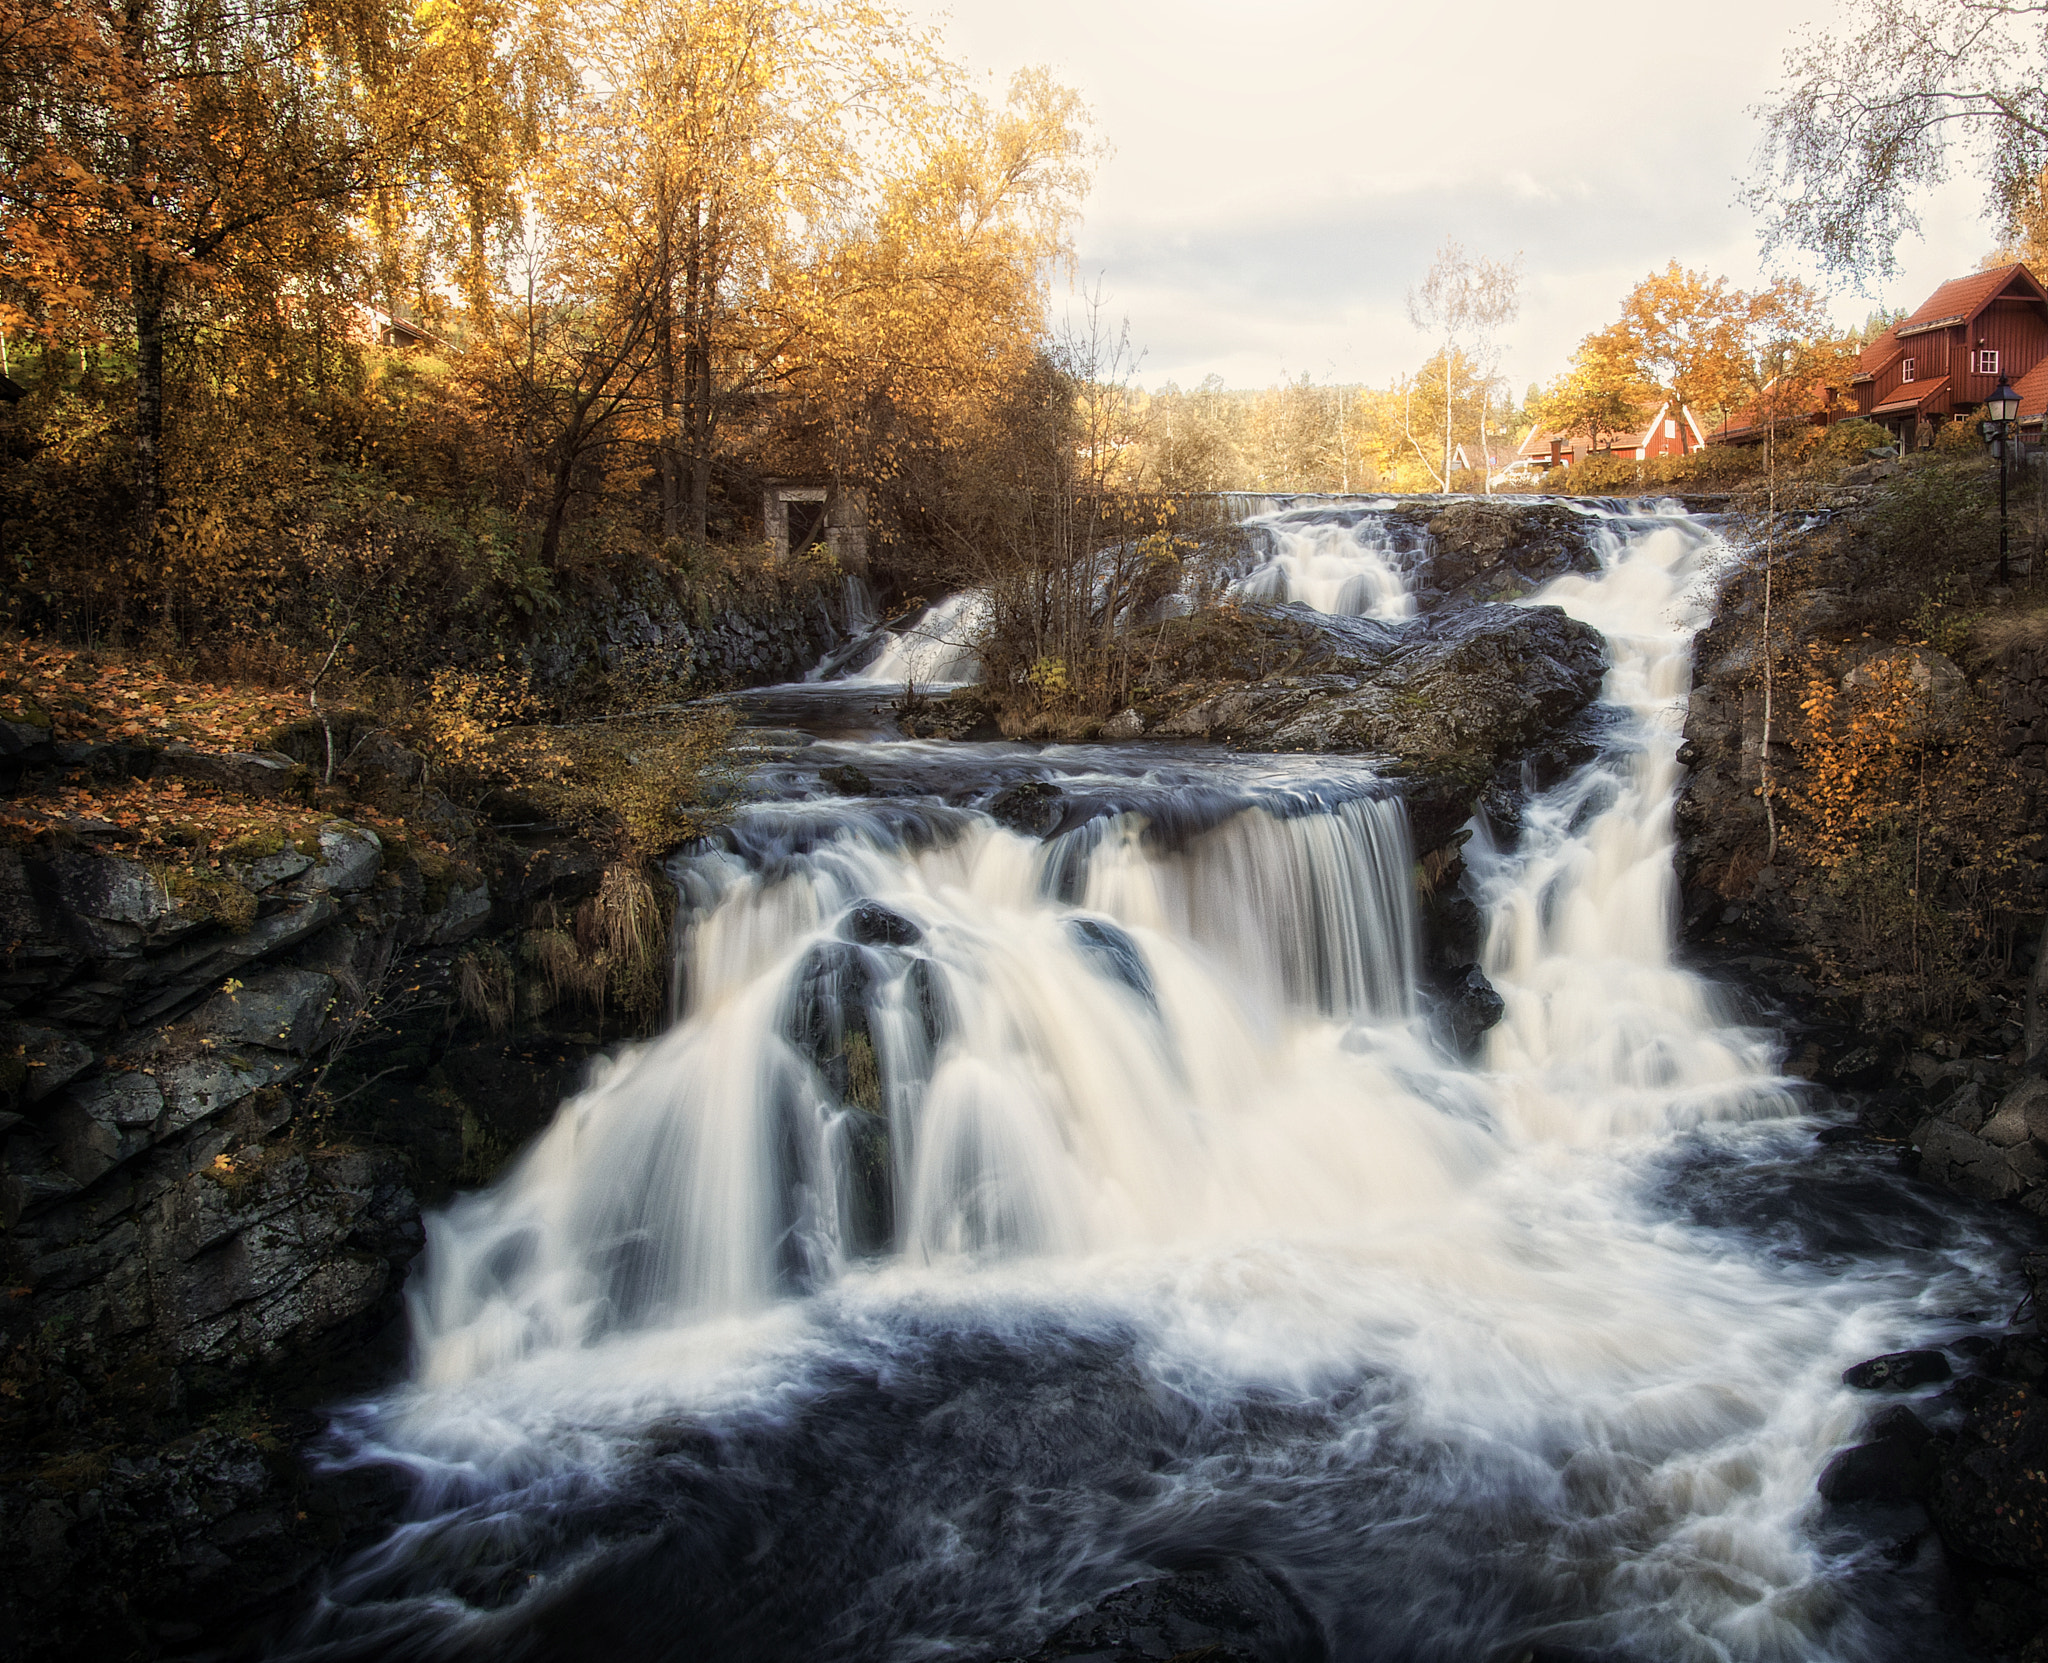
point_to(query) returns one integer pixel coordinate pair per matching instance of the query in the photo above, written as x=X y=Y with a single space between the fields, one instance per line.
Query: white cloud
x=1283 y=174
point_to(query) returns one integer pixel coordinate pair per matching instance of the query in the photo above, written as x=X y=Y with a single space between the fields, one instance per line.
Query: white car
x=1522 y=471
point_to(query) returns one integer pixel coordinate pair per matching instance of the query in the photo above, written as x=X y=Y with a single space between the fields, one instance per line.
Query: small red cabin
x=1668 y=431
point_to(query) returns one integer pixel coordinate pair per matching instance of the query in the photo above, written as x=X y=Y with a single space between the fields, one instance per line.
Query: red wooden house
x=1668 y=431
x=1944 y=361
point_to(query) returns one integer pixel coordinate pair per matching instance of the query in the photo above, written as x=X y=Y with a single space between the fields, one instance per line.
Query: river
x=1006 y=1219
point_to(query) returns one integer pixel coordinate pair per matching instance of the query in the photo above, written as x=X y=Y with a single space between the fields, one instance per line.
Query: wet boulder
x=1114 y=954
x=1032 y=809
x=826 y=1018
x=870 y=1181
x=1953 y=1156
x=1898 y=1463
x=1462 y=691
x=1471 y=1006
x=1231 y=1613
x=1496 y=551
x=925 y=989
x=1898 y=1371
x=874 y=925
x=847 y=780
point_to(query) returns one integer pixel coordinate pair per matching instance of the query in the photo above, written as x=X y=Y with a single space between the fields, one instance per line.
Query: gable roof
x=1643 y=431
x=2033 y=390
x=1910 y=396
x=1815 y=400
x=1957 y=301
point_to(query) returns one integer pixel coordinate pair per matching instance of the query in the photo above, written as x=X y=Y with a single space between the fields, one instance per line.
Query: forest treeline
x=422 y=315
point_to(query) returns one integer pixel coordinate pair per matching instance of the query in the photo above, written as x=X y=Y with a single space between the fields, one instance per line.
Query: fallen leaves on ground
x=98 y=697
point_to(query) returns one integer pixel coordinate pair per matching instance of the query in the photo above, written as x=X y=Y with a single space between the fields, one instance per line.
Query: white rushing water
x=1335 y=560
x=937 y=650
x=1168 y=1088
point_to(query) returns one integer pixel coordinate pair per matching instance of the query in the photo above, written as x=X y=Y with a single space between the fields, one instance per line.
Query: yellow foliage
x=1907 y=806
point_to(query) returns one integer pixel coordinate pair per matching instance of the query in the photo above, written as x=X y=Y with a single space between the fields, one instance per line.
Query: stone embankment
x=749 y=640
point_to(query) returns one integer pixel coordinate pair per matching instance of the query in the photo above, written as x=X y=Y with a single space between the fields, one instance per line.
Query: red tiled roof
x=1812 y=401
x=1911 y=396
x=1959 y=297
x=2033 y=391
x=1538 y=441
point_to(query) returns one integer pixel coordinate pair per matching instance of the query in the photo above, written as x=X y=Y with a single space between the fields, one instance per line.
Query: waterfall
x=935 y=651
x=1006 y=1216
x=1335 y=559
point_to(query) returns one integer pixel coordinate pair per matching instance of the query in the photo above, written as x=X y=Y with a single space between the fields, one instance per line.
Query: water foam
x=1156 y=1194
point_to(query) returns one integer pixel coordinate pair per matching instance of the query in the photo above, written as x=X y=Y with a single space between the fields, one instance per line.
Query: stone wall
x=747 y=640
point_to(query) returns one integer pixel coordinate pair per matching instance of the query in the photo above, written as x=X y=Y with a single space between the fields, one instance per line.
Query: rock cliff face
x=1958 y=1100
x=747 y=641
x=1459 y=691
x=198 y=1246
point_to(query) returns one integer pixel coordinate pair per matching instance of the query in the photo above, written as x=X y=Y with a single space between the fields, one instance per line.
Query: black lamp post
x=2000 y=410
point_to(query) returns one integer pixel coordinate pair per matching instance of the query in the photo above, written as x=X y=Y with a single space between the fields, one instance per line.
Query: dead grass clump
x=483 y=986
x=611 y=953
x=2004 y=636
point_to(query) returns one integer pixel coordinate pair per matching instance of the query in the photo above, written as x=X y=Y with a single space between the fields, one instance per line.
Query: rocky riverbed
x=198 y=1260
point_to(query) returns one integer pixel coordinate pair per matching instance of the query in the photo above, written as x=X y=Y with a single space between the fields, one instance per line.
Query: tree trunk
x=1764 y=781
x=696 y=424
x=558 y=503
x=150 y=289
x=1447 y=418
x=667 y=462
x=2036 y=1018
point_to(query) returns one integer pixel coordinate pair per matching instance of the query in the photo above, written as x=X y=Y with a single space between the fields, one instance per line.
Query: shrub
x=1908 y=809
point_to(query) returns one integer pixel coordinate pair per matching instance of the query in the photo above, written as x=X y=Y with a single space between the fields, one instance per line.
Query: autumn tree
x=915 y=327
x=1694 y=337
x=732 y=143
x=1192 y=439
x=1601 y=395
x=159 y=158
x=1871 y=117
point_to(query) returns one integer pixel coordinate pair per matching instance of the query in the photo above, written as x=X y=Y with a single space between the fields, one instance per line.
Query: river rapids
x=1007 y=1219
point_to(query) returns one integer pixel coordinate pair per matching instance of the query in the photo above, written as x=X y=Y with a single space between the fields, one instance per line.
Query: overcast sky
x=1283 y=173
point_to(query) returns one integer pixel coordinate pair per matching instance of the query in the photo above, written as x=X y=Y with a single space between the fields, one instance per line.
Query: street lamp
x=2001 y=409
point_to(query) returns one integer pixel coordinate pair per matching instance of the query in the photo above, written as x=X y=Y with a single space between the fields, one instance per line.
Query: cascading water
x=1343 y=559
x=1005 y=1219
x=935 y=651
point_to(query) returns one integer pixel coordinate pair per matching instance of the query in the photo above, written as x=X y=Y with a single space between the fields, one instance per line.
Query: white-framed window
x=1906 y=370
x=1639 y=453
x=1670 y=429
x=1987 y=360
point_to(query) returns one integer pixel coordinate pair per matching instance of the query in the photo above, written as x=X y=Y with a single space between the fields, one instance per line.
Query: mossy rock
x=207 y=897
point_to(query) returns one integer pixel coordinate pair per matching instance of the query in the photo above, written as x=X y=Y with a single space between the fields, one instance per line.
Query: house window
x=1671 y=430
x=1906 y=373
x=1987 y=360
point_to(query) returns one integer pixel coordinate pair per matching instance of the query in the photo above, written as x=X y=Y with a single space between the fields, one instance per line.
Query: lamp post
x=2000 y=409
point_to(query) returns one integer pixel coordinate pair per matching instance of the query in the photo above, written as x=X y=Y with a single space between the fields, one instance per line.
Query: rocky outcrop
x=1502 y=551
x=1462 y=691
x=749 y=640
x=212 y=1176
x=1232 y=1612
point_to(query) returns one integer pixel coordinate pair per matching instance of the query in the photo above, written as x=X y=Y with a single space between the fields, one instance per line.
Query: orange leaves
x=85 y=697
x=1890 y=756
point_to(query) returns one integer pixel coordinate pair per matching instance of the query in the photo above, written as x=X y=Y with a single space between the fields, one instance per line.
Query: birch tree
x=1872 y=116
x=1461 y=303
